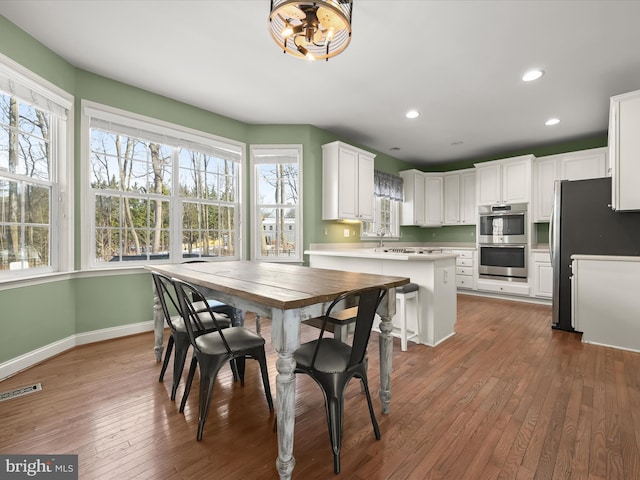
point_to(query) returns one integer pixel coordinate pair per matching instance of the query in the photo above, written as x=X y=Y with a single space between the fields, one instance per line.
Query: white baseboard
x=29 y=359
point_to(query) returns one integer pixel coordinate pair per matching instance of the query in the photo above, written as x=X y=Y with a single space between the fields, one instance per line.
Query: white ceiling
x=458 y=62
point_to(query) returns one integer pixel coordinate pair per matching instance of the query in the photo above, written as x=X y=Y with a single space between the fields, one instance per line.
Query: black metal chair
x=219 y=307
x=332 y=363
x=211 y=350
x=178 y=336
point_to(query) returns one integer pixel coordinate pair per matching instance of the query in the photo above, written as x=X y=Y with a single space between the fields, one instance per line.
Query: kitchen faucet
x=381 y=233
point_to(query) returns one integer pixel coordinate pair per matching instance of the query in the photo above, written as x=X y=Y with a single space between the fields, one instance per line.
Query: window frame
x=174 y=134
x=31 y=89
x=255 y=206
x=391 y=234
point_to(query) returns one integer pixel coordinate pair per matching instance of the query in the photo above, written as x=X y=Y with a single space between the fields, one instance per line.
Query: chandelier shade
x=312 y=30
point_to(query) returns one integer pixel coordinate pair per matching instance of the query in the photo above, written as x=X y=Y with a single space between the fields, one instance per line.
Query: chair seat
x=223 y=322
x=333 y=356
x=342 y=317
x=238 y=338
x=407 y=288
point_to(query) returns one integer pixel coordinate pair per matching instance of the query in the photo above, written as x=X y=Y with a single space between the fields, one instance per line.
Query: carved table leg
x=386 y=310
x=158 y=325
x=286 y=339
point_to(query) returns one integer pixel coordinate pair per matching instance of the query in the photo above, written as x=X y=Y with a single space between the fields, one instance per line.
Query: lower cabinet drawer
x=464 y=271
x=464 y=262
x=463 y=281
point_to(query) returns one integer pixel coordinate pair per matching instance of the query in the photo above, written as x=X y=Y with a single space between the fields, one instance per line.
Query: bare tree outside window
x=136 y=196
x=276 y=177
x=25 y=185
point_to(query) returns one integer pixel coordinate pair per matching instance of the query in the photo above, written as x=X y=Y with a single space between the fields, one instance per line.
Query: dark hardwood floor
x=505 y=398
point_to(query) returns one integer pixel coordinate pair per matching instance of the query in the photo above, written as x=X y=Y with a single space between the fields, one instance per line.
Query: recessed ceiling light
x=412 y=114
x=394 y=149
x=552 y=121
x=532 y=75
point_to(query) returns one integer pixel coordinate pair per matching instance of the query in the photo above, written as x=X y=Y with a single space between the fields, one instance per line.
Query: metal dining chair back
x=178 y=336
x=333 y=363
x=211 y=350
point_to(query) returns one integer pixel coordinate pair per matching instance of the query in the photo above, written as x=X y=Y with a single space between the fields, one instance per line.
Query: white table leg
x=158 y=325
x=386 y=310
x=285 y=337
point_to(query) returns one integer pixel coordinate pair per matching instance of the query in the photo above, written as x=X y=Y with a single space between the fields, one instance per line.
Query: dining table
x=287 y=294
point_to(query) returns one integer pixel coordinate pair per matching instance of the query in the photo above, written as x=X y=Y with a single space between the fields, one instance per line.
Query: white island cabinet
x=605 y=305
x=434 y=273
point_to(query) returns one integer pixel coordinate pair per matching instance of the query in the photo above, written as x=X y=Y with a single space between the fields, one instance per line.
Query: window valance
x=387 y=185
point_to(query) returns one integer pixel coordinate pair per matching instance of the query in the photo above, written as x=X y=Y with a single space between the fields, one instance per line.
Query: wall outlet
x=346 y=233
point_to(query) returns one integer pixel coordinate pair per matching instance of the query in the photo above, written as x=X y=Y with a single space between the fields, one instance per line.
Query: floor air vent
x=19 y=392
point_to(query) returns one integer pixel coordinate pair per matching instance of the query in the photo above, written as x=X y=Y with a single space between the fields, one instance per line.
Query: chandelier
x=312 y=30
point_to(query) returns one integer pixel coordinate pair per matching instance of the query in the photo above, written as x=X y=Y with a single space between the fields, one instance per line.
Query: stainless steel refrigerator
x=582 y=222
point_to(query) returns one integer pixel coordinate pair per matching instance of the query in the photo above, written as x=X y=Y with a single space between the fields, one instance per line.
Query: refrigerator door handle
x=551 y=234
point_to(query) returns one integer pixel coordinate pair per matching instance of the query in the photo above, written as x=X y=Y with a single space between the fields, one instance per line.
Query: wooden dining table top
x=276 y=285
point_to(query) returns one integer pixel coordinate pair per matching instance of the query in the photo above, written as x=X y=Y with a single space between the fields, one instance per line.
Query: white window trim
x=52 y=98
x=161 y=128
x=255 y=222
x=395 y=220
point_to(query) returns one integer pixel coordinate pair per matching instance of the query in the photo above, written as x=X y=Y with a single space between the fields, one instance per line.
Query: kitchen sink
x=411 y=250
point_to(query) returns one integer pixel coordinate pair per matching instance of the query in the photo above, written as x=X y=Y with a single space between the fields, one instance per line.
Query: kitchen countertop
x=371 y=253
x=540 y=247
x=606 y=258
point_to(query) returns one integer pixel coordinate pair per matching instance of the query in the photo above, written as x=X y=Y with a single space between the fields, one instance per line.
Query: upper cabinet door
x=489 y=184
x=624 y=150
x=366 y=204
x=468 y=208
x=348 y=172
x=583 y=164
x=433 y=198
x=347 y=182
x=452 y=192
x=414 y=204
x=504 y=181
x=516 y=180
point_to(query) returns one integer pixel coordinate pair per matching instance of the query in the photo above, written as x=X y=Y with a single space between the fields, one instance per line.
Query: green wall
x=36 y=316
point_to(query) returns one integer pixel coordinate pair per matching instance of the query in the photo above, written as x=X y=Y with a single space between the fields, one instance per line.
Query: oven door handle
x=502 y=245
x=500 y=214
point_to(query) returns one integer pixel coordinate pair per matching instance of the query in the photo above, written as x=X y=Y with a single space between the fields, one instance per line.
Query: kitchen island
x=433 y=271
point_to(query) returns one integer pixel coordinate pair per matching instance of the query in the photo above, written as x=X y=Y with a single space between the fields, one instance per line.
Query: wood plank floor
x=505 y=398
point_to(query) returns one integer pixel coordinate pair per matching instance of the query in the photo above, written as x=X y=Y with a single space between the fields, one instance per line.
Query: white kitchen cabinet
x=605 y=301
x=460 y=197
x=504 y=181
x=542 y=275
x=465 y=268
x=624 y=150
x=451 y=195
x=546 y=173
x=413 y=206
x=433 y=200
x=347 y=182
x=579 y=165
x=422 y=205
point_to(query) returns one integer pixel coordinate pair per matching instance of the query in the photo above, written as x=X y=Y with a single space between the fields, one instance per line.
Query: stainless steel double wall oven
x=503 y=242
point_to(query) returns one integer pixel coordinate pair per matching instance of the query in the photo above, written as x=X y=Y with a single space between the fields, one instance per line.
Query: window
x=34 y=229
x=277 y=202
x=388 y=190
x=386 y=219
x=159 y=192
